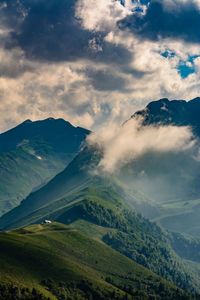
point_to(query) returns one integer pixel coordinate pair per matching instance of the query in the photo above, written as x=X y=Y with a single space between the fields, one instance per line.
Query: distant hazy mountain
x=32 y=153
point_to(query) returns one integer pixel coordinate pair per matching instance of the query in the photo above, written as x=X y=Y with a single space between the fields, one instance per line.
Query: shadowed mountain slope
x=32 y=153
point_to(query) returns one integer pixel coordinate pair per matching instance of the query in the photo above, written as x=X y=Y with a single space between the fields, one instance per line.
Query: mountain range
x=109 y=236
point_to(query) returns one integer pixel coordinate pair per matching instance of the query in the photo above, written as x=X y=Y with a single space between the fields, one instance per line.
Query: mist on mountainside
x=160 y=160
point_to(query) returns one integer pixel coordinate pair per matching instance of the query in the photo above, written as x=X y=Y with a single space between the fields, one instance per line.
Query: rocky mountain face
x=176 y=112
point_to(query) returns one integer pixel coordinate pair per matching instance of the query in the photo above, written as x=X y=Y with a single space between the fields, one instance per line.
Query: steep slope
x=74 y=176
x=31 y=154
x=59 y=262
x=104 y=202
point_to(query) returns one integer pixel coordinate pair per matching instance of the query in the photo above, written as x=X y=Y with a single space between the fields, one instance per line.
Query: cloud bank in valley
x=92 y=62
x=122 y=145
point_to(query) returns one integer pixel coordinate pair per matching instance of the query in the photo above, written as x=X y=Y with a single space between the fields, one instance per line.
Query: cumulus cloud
x=101 y=15
x=48 y=91
x=122 y=145
x=13 y=64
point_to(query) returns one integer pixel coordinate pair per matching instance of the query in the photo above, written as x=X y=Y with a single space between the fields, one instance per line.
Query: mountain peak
x=174 y=112
x=27 y=121
x=162 y=100
x=50 y=130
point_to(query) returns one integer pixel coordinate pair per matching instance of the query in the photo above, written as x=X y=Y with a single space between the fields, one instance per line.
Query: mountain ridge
x=177 y=112
x=32 y=153
x=45 y=128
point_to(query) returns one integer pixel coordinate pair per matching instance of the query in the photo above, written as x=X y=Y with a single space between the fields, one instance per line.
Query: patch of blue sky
x=122 y=2
x=168 y=54
x=184 y=67
x=145 y=2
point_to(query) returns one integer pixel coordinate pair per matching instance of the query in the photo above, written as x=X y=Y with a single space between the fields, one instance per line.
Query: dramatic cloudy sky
x=91 y=61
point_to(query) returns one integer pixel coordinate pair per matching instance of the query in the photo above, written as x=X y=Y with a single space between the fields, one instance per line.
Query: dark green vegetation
x=31 y=154
x=59 y=262
x=11 y=291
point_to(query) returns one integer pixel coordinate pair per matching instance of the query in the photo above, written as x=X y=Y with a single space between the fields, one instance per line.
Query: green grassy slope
x=59 y=262
x=105 y=193
x=102 y=203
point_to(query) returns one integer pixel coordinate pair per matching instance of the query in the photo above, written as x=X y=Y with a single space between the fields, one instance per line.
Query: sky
x=93 y=62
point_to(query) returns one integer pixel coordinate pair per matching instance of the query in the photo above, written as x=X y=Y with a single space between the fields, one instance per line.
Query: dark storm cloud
x=103 y=80
x=178 y=21
x=49 y=31
x=13 y=12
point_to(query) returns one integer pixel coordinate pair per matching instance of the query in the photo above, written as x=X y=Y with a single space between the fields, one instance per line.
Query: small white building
x=47 y=222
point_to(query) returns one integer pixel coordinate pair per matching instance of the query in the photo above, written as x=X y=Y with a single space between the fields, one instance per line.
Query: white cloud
x=121 y=145
x=100 y=15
